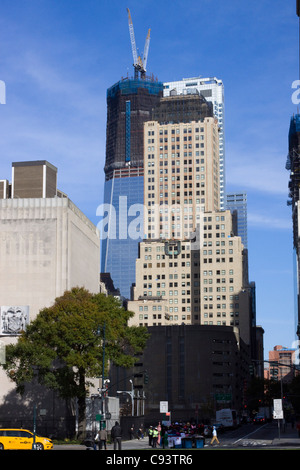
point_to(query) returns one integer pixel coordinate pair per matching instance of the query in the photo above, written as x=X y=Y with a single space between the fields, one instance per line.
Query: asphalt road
x=246 y=436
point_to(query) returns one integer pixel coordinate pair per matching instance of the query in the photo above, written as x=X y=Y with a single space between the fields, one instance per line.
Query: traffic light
x=146 y=378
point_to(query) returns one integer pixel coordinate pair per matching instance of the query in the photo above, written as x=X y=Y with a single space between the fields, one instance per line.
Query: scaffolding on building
x=293 y=165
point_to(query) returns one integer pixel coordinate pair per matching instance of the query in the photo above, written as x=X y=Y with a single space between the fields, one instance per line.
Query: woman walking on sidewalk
x=215 y=436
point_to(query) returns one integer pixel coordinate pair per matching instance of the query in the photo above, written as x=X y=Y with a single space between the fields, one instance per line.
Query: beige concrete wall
x=181 y=164
x=221 y=296
x=47 y=246
x=204 y=284
x=162 y=295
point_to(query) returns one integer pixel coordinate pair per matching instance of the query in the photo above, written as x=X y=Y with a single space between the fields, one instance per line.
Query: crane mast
x=146 y=50
x=139 y=63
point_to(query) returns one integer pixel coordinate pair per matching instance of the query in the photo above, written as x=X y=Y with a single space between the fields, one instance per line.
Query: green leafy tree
x=63 y=347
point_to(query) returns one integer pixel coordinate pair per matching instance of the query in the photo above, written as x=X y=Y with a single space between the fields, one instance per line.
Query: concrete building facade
x=182 y=179
x=282 y=364
x=47 y=246
x=197 y=369
x=163 y=291
x=220 y=270
x=202 y=281
x=191 y=288
x=192 y=267
x=212 y=89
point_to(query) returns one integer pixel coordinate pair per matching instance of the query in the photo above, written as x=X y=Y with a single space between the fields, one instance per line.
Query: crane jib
x=139 y=63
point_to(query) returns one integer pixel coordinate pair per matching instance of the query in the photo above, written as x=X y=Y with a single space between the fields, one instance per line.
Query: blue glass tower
x=123 y=197
x=238 y=202
x=129 y=105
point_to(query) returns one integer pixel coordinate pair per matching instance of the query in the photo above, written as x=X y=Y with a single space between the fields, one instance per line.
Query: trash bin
x=187 y=443
x=199 y=442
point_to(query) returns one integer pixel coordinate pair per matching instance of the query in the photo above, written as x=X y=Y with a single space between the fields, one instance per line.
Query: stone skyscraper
x=192 y=268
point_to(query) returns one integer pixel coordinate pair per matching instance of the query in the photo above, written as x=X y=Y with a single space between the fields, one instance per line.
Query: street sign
x=163 y=406
x=223 y=397
x=278 y=414
x=277 y=403
x=278 y=411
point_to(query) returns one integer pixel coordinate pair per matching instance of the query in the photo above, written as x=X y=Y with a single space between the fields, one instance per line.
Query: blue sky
x=58 y=57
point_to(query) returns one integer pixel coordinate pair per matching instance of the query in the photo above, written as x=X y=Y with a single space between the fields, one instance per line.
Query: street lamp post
x=103 y=351
x=102 y=390
x=34 y=428
x=103 y=356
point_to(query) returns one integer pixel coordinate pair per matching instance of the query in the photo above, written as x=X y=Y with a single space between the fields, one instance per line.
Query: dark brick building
x=195 y=368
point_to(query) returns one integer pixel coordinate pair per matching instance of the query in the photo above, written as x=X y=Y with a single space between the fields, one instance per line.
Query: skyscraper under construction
x=293 y=166
x=129 y=104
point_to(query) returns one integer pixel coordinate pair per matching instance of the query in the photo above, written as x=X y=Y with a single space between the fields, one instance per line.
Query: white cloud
x=261 y=170
x=260 y=220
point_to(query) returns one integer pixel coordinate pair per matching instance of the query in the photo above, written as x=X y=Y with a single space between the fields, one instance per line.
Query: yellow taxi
x=17 y=439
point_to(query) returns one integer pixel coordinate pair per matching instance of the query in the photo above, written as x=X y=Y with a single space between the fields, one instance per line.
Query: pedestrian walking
x=97 y=441
x=164 y=437
x=116 y=434
x=159 y=434
x=150 y=435
x=215 y=436
x=102 y=439
x=154 y=437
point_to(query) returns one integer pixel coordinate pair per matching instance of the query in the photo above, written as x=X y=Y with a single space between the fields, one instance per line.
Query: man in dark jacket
x=116 y=434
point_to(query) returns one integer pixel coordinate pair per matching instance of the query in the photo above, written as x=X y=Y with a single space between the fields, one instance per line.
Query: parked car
x=17 y=439
x=259 y=419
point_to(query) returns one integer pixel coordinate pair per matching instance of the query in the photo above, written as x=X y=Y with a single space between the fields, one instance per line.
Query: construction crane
x=139 y=63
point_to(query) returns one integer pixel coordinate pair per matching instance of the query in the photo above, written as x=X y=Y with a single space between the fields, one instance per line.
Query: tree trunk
x=81 y=406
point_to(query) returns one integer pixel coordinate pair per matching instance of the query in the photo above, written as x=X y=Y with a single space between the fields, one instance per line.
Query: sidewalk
x=134 y=444
x=137 y=444
x=287 y=437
